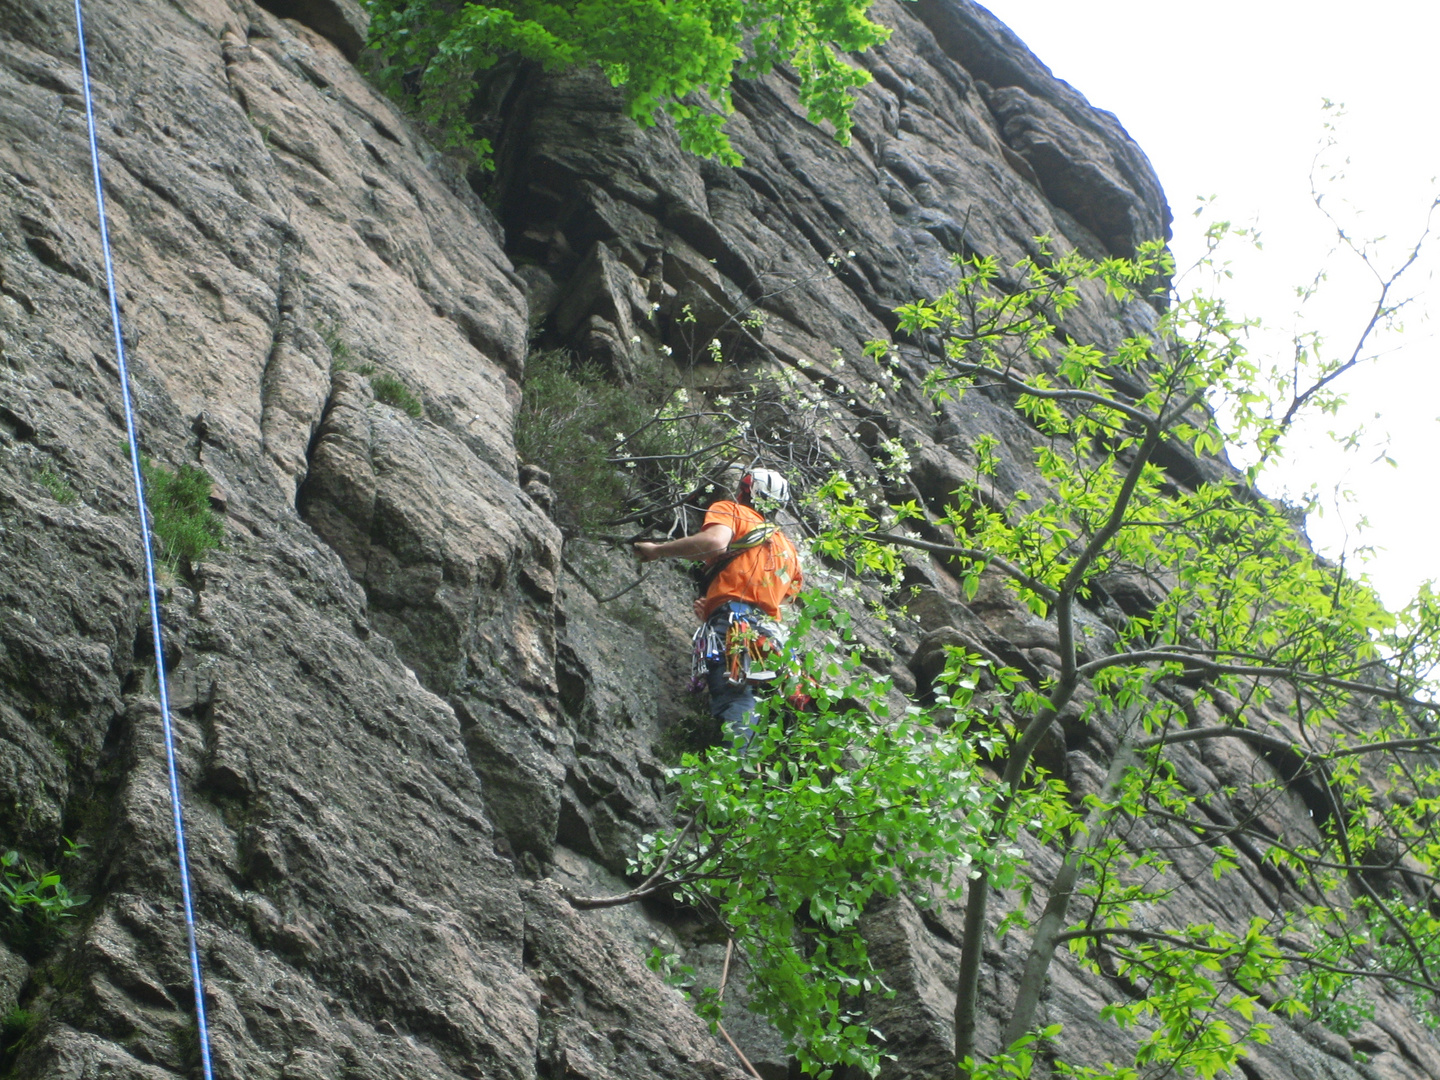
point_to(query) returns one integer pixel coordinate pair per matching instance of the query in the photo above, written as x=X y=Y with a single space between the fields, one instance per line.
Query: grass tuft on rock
x=56 y=484
x=34 y=903
x=180 y=514
x=391 y=391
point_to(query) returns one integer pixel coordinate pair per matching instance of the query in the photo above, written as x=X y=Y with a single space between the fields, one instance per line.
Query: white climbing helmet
x=766 y=484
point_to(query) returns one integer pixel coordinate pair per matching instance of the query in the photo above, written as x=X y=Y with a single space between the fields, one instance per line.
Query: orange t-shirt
x=765 y=576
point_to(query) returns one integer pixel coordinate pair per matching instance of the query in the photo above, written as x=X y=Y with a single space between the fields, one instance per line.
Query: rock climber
x=751 y=569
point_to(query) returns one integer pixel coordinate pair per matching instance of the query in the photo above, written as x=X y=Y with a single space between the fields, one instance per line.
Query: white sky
x=1225 y=98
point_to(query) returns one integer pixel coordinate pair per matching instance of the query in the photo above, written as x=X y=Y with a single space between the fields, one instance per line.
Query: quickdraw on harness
x=740 y=636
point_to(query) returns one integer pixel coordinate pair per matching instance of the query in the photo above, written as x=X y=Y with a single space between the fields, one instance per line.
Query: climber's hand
x=700 y=609
x=646 y=551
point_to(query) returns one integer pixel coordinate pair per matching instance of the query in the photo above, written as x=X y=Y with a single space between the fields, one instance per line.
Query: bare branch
x=1381 y=311
x=673 y=457
x=1300 y=856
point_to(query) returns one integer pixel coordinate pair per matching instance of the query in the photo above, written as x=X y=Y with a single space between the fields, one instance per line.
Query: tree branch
x=648 y=887
x=1046 y=937
x=1309 y=860
x=1215 y=667
x=1140 y=416
x=1006 y=567
x=1138 y=934
x=1380 y=312
x=671 y=457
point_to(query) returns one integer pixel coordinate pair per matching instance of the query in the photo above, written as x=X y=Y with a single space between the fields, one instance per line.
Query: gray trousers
x=733 y=705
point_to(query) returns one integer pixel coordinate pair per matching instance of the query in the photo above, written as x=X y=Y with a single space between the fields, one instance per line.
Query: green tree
x=1245 y=623
x=1246 y=635
x=834 y=806
x=677 y=56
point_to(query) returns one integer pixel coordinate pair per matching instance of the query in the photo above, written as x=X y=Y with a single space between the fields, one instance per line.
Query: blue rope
x=145 y=543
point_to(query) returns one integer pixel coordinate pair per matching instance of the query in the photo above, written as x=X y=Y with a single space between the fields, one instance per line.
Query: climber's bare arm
x=707 y=543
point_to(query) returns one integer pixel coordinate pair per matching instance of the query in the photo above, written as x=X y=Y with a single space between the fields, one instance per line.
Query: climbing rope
x=145 y=543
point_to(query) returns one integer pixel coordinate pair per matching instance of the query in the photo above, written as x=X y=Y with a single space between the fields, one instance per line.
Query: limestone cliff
x=403 y=724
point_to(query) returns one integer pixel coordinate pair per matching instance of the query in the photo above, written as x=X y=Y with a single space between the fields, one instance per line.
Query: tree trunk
x=1047 y=930
x=968 y=980
x=978 y=895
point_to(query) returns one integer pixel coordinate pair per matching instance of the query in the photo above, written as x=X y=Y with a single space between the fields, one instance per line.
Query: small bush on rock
x=601 y=443
x=33 y=903
x=676 y=58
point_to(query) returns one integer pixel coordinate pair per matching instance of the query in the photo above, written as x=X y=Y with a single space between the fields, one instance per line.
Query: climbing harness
x=738 y=635
x=145 y=543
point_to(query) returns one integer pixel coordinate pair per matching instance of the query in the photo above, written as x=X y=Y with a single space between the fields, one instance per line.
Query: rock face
x=406 y=720
x=365 y=680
